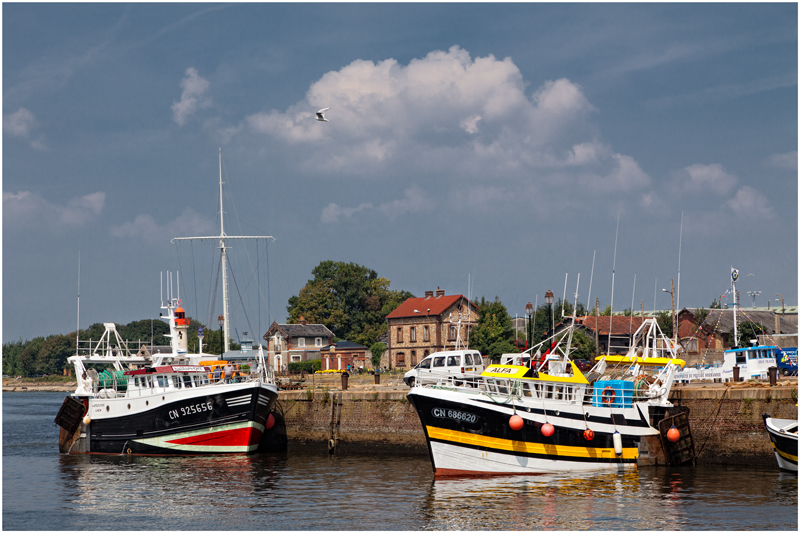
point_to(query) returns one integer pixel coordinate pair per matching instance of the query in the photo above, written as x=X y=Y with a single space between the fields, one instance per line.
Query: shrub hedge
x=308 y=366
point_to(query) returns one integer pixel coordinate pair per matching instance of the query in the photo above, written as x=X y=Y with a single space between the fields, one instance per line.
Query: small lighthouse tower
x=182 y=325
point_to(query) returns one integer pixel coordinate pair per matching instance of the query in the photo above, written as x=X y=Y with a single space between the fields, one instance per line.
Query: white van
x=457 y=363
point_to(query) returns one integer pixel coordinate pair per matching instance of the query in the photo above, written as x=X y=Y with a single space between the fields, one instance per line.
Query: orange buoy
x=673 y=435
x=588 y=434
x=516 y=422
x=270 y=421
x=547 y=429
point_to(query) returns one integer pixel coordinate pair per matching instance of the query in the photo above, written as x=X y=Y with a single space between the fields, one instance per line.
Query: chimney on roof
x=428 y=294
x=439 y=292
x=302 y=321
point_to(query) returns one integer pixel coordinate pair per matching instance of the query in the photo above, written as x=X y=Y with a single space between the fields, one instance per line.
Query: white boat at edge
x=783 y=435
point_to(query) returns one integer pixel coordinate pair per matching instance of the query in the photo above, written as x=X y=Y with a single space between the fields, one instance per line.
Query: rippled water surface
x=43 y=490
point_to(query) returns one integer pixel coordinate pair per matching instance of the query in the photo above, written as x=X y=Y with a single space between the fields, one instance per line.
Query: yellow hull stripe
x=787 y=456
x=460 y=437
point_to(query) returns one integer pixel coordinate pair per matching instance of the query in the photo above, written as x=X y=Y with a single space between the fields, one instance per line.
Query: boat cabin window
x=176 y=382
x=741 y=357
x=752 y=355
x=438 y=361
x=425 y=363
x=452 y=360
x=187 y=381
x=163 y=381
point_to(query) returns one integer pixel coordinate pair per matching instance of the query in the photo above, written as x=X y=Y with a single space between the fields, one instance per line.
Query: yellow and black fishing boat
x=547 y=416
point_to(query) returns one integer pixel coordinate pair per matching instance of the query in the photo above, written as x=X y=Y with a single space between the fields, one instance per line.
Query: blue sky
x=495 y=144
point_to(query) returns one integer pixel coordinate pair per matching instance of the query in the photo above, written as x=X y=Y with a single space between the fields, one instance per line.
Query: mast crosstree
x=224 y=256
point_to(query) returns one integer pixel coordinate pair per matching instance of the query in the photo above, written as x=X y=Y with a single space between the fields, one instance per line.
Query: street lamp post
x=674 y=327
x=783 y=308
x=529 y=312
x=548 y=299
x=200 y=340
x=221 y=322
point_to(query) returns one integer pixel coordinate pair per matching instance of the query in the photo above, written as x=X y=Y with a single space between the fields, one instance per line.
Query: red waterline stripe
x=230 y=437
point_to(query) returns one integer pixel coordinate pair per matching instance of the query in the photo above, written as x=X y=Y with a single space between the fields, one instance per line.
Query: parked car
x=457 y=364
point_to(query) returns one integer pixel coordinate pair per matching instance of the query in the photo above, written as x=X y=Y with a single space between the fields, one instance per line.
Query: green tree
x=145 y=330
x=52 y=356
x=583 y=346
x=349 y=299
x=493 y=335
x=543 y=322
x=377 y=350
x=748 y=331
x=11 y=353
x=664 y=319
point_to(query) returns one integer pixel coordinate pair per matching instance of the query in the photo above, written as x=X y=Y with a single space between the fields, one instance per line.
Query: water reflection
x=301 y=491
x=163 y=488
x=549 y=501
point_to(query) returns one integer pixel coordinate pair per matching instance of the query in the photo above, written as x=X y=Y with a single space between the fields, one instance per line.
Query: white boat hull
x=453 y=460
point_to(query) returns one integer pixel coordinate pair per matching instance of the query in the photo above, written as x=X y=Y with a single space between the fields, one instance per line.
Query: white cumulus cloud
x=455 y=121
x=27 y=210
x=786 y=161
x=707 y=179
x=22 y=123
x=146 y=228
x=750 y=203
x=193 y=96
x=414 y=200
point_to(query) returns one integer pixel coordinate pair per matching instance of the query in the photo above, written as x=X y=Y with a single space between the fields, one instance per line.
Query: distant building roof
x=298 y=330
x=722 y=319
x=429 y=305
x=620 y=325
x=344 y=345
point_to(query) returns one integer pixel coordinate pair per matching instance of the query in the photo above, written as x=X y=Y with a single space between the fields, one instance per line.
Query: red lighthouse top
x=180 y=317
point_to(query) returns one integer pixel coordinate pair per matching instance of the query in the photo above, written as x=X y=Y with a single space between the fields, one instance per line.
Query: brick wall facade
x=407 y=337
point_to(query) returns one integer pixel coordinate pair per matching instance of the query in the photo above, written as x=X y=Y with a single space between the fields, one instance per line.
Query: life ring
x=608 y=395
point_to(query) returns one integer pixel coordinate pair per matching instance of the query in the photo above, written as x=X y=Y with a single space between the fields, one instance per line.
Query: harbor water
x=43 y=490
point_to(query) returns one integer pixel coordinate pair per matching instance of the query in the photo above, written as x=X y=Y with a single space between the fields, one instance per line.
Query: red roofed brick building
x=421 y=326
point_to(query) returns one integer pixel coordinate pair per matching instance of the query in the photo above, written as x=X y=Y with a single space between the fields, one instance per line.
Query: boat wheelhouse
x=752 y=362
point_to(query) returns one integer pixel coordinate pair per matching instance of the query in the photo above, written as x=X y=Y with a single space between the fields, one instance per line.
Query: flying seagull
x=321 y=115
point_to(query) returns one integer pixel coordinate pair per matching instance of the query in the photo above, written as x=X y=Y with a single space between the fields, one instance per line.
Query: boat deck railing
x=598 y=393
x=105 y=386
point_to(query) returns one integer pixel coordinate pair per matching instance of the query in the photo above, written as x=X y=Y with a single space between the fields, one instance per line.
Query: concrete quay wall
x=360 y=421
x=725 y=421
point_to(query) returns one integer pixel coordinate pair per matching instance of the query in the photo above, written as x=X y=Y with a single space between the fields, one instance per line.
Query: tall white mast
x=680 y=242
x=224 y=260
x=224 y=257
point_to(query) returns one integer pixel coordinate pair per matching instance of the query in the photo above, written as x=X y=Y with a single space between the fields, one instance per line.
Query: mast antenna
x=613 y=270
x=78 y=327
